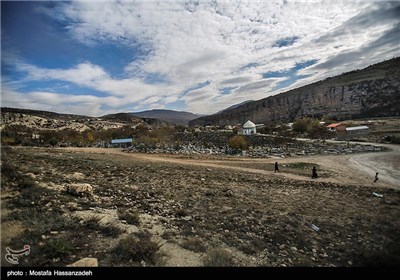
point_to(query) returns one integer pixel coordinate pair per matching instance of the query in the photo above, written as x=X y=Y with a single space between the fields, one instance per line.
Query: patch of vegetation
x=30 y=195
x=137 y=250
x=111 y=230
x=26 y=183
x=238 y=143
x=7 y=170
x=58 y=248
x=247 y=249
x=390 y=257
x=130 y=217
x=300 y=165
x=168 y=235
x=303 y=125
x=218 y=258
x=92 y=222
x=194 y=244
x=181 y=213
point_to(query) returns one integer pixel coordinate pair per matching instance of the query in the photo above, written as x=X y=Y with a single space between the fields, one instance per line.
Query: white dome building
x=249 y=128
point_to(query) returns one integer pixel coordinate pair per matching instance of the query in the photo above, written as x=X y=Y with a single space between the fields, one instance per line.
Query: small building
x=357 y=131
x=121 y=142
x=338 y=127
x=249 y=128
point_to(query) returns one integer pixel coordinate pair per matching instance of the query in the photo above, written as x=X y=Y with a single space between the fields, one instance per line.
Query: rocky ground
x=151 y=210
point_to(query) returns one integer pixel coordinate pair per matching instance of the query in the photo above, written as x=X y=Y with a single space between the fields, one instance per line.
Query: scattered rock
x=229 y=193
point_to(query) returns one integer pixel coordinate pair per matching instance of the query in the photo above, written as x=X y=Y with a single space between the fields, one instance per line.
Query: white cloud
x=191 y=43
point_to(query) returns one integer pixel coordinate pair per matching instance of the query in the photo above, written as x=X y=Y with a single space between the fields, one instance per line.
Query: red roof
x=334 y=125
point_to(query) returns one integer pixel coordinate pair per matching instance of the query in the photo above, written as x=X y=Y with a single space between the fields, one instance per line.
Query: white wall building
x=249 y=128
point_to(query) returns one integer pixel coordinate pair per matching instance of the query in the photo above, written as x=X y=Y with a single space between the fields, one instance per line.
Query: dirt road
x=386 y=164
x=343 y=169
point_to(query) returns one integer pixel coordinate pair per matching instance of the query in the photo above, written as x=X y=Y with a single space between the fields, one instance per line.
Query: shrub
x=26 y=183
x=7 y=170
x=218 y=258
x=53 y=141
x=111 y=230
x=318 y=131
x=57 y=248
x=194 y=244
x=92 y=222
x=130 y=217
x=132 y=248
x=181 y=213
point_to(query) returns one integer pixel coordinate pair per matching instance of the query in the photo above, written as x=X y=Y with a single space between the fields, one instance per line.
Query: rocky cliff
x=371 y=92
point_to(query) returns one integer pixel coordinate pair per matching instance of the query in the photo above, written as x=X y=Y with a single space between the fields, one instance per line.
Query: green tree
x=53 y=141
x=300 y=125
x=304 y=125
x=318 y=131
x=238 y=142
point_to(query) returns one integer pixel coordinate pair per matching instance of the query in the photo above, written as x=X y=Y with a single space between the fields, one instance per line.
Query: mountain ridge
x=372 y=91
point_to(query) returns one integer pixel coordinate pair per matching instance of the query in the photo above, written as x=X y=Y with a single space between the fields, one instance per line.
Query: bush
x=318 y=131
x=181 y=213
x=238 y=143
x=26 y=183
x=53 y=141
x=7 y=170
x=194 y=244
x=132 y=248
x=130 y=217
x=92 y=222
x=57 y=248
x=304 y=125
x=218 y=258
x=111 y=230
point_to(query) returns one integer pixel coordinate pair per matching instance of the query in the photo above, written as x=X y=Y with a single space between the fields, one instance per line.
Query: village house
x=337 y=127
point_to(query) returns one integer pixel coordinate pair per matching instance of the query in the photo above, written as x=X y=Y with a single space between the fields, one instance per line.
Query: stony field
x=150 y=210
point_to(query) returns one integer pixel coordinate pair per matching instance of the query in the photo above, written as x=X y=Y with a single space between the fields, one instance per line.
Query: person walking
x=376 y=177
x=314 y=173
x=276 y=167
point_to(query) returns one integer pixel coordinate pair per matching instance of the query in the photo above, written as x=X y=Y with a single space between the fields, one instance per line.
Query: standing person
x=276 y=167
x=376 y=177
x=314 y=173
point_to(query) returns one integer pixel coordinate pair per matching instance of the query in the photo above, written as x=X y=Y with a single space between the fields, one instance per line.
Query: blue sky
x=96 y=58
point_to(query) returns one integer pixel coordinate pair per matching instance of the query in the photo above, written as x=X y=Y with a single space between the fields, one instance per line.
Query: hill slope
x=370 y=92
x=175 y=117
x=54 y=121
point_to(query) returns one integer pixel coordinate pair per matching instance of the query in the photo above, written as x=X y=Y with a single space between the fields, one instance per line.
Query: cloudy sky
x=96 y=58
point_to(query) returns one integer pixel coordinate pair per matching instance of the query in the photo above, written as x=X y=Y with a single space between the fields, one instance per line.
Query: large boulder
x=80 y=189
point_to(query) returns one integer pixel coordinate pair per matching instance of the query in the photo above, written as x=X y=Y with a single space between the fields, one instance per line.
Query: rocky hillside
x=370 y=92
x=44 y=120
x=174 y=117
